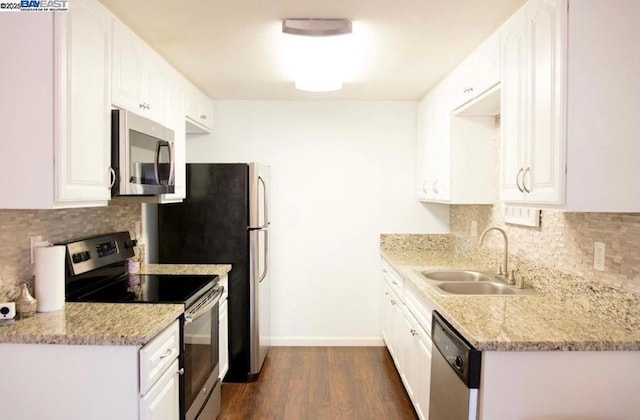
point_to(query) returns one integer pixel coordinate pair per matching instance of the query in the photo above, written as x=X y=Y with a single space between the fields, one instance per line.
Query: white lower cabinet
x=408 y=343
x=223 y=329
x=98 y=382
x=162 y=402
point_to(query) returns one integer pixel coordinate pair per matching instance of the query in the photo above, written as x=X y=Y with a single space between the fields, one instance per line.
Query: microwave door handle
x=159 y=145
x=172 y=165
x=156 y=161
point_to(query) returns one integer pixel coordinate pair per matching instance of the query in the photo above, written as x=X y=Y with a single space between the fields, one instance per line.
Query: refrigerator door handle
x=265 y=203
x=266 y=255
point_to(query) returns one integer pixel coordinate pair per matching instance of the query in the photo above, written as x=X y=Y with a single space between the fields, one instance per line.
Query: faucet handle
x=519 y=282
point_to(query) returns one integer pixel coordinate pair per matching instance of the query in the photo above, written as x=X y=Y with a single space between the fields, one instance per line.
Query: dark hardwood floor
x=321 y=383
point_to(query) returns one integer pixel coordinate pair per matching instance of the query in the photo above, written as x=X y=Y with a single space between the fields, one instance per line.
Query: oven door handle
x=190 y=317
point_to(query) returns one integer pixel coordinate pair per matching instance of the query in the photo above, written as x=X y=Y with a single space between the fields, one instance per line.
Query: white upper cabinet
x=199 y=111
x=513 y=104
x=479 y=72
x=456 y=132
x=569 y=130
x=175 y=121
x=139 y=76
x=57 y=152
x=534 y=87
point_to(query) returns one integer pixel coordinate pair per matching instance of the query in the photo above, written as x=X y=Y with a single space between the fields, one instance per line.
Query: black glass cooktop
x=146 y=288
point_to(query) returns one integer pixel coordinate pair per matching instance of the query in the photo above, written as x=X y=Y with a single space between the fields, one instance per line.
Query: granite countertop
x=122 y=324
x=128 y=324
x=182 y=269
x=512 y=323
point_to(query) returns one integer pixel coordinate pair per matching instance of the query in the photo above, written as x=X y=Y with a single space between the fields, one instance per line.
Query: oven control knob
x=459 y=363
x=76 y=258
x=86 y=256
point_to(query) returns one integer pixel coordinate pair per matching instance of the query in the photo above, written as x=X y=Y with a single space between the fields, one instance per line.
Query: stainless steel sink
x=471 y=283
x=479 y=288
x=456 y=275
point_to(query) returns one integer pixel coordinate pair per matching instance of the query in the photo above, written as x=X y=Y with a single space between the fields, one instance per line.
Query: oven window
x=201 y=353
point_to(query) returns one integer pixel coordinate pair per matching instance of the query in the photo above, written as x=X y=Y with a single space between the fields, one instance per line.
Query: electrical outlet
x=598 y=255
x=34 y=240
x=473 y=231
x=7 y=310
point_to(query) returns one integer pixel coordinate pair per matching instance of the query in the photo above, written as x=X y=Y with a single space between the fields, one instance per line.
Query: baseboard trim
x=327 y=342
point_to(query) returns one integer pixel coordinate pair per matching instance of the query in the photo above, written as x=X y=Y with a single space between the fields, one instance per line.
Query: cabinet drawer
x=157 y=355
x=393 y=278
x=419 y=306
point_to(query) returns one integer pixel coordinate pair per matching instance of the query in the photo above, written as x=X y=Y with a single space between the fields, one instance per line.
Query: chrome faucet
x=509 y=279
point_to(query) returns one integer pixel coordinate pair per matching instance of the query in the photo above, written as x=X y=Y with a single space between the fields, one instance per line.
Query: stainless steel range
x=96 y=273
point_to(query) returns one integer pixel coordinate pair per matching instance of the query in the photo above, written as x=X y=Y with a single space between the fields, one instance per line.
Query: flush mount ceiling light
x=316 y=27
x=318 y=52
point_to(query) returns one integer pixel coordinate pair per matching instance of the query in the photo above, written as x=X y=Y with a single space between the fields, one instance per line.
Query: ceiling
x=230 y=48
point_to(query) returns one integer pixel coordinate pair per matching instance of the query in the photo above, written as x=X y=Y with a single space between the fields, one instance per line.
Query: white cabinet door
x=199 y=111
x=223 y=339
x=127 y=89
x=543 y=176
x=534 y=104
x=422 y=373
x=59 y=128
x=162 y=402
x=513 y=104
x=175 y=121
x=139 y=76
x=409 y=357
x=477 y=73
x=83 y=153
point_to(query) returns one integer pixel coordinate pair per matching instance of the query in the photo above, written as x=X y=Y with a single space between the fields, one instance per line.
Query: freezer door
x=259 y=190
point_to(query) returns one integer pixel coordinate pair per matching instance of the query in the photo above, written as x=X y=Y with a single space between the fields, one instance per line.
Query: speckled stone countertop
x=125 y=324
x=182 y=269
x=128 y=324
x=512 y=323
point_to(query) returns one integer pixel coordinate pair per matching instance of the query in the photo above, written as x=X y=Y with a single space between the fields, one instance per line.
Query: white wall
x=342 y=173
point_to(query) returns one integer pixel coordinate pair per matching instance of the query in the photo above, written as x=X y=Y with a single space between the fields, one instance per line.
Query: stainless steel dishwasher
x=455 y=374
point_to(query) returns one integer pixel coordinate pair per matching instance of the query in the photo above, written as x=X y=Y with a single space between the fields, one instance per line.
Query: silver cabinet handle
x=112 y=174
x=393 y=302
x=528 y=170
x=142 y=106
x=167 y=354
x=413 y=332
x=425 y=186
x=203 y=117
x=518 y=180
x=181 y=371
x=394 y=282
x=434 y=187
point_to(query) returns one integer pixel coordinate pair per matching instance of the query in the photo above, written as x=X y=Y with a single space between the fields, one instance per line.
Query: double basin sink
x=470 y=282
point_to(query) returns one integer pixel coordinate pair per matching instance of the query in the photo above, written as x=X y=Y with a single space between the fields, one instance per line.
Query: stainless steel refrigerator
x=225 y=220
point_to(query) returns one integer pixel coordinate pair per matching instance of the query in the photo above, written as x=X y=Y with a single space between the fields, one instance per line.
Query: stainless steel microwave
x=141 y=155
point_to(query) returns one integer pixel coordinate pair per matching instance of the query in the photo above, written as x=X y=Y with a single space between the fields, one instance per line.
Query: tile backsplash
x=563 y=242
x=54 y=226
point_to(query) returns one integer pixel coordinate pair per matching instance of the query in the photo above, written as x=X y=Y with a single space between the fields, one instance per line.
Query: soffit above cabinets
x=230 y=49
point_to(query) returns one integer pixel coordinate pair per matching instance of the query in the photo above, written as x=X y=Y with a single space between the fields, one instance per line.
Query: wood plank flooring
x=355 y=383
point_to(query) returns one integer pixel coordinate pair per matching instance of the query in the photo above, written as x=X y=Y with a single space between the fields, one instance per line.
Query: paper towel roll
x=49 y=277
